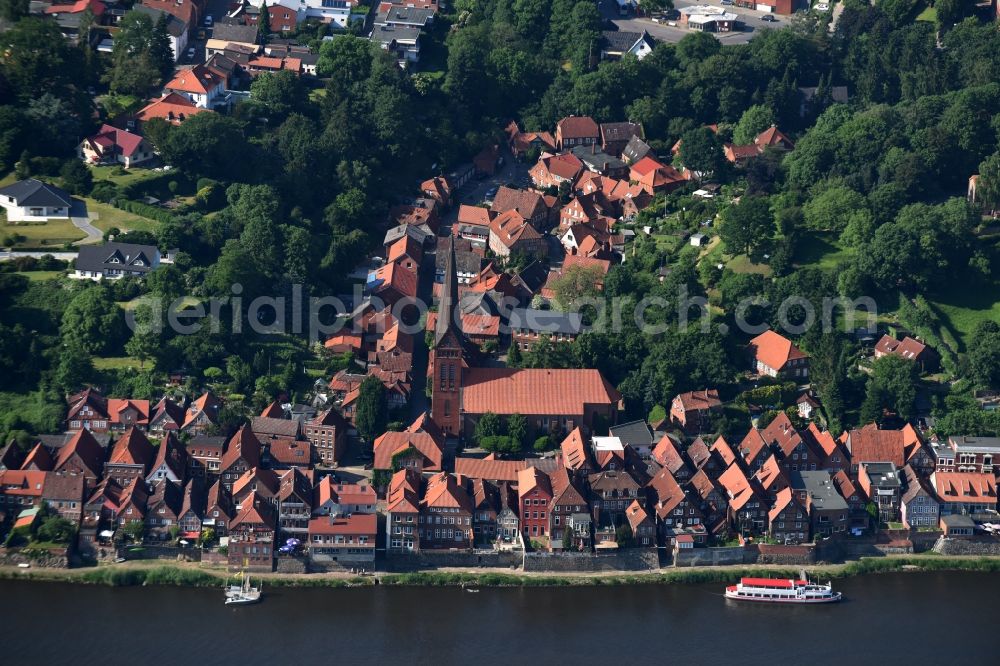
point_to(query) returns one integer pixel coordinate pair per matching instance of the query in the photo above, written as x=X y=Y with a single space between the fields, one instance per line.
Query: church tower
x=449 y=356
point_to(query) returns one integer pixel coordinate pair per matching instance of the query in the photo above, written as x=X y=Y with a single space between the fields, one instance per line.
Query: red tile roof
x=774 y=350
x=82 y=444
x=908 y=348
x=171 y=107
x=404 y=492
x=667 y=492
x=198 y=79
x=244 y=444
x=578 y=127
x=532 y=478
x=574 y=450
x=132 y=448
x=419 y=436
x=535 y=391
x=966 y=487
x=723 y=450
x=737 y=486
x=358 y=524
x=445 y=492
x=871 y=444
x=489 y=468
x=699 y=400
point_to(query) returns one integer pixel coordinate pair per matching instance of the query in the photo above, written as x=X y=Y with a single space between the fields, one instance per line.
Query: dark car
x=768 y=18
x=492 y=192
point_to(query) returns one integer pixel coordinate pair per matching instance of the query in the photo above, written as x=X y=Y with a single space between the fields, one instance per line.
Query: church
x=554 y=401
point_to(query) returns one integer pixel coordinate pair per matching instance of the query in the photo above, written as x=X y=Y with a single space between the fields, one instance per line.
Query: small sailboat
x=244 y=593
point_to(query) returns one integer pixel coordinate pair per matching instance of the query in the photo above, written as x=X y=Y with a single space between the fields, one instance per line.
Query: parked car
x=190 y=53
x=726 y=2
x=208 y=21
x=492 y=192
x=822 y=7
x=768 y=18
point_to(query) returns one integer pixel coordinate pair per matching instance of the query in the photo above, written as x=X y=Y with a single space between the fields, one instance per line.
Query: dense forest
x=294 y=186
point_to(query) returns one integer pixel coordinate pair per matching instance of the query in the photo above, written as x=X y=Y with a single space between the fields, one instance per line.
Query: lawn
x=963 y=309
x=130 y=176
x=929 y=14
x=108 y=216
x=742 y=264
x=821 y=250
x=39 y=276
x=51 y=235
x=115 y=362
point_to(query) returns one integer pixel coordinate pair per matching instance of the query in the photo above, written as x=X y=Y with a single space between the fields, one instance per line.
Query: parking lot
x=660 y=30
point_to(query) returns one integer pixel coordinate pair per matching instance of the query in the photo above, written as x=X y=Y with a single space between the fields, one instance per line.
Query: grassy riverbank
x=172 y=575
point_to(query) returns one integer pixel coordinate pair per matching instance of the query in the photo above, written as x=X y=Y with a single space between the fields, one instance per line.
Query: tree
x=748 y=226
x=76 y=177
x=701 y=150
x=75 y=367
x=983 y=355
x=12 y=10
x=892 y=386
x=207 y=536
x=142 y=56
x=264 y=23
x=370 y=417
x=543 y=444
x=279 y=94
x=514 y=358
x=134 y=530
x=833 y=208
x=207 y=144
x=94 y=321
x=517 y=428
x=577 y=282
x=754 y=120
x=500 y=444
x=56 y=529
x=624 y=536
x=988 y=185
x=488 y=425
x=567 y=539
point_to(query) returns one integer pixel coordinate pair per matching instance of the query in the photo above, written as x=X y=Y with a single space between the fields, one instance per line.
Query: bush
x=145 y=210
x=543 y=443
x=104 y=191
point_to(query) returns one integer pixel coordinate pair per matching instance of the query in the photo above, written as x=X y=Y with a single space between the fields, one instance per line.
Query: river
x=909 y=618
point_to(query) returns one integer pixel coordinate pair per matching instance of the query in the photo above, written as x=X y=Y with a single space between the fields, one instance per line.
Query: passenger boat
x=782 y=590
x=243 y=594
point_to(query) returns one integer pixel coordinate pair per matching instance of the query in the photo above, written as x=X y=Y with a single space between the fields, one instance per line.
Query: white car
x=208 y=21
x=822 y=7
x=190 y=53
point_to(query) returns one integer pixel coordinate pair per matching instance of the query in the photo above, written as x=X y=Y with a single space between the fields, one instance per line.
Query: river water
x=910 y=618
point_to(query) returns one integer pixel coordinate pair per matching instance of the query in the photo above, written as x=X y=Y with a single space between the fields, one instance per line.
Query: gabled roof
x=907 y=348
x=666 y=453
x=404 y=491
x=574 y=450
x=532 y=478
x=259 y=480
x=725 y=452
x=784 y=499
x=698 y=453
x=564 y=491
x=420 y=439
x=699 y=400
x=737 y=486
x=636 y=515
x=752 y=445
x=280 y=427
x=770 y=474
x=774 y=350
x=871 y=444
x=132 y=448
x=38 y=459
x=243 y=445
x=702 y=484
x=198 y=79
x=273 y=411
x=33 y=192
x=667 y=493
x=109 y=135
x=296 y=484
x=234 y=32
x=528 y=204
x=843 y=485
x=535 y=391
x=578 y=127
x=773 y=136
x=444 y=491
x=966 y=487
x=83 y=445
x=636 y=149
x=172 y=454
x=255 y=511
x=172 y=107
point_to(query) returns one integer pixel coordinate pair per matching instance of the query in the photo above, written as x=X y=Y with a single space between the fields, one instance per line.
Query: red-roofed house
x=111 y=145
x=552 y=400
x=576 y=131
x=534 y=491
x=967 y=493
x=82 y=455
x=201 y=414
x=242 y=454
x=908 y=348
x=130 y=458
x=552 y=170
x=775 y=355
x=747 y=503
x=333 y=498
x=328 y=434
x=575 y=453
x=403 y=522
x=199 y=85
x=251 y=536
x=415 y=448
x=789 y=519
x=447 y=514
x=172 y=107
x=899 y=447
x=338 y=542
x=655 y=177
x=511 y=233
x=691 y=410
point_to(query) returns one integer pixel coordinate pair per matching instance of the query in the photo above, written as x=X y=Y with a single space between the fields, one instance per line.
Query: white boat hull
x=836 y=596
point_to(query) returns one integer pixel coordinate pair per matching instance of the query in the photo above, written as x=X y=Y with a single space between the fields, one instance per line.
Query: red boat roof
x=771 y=582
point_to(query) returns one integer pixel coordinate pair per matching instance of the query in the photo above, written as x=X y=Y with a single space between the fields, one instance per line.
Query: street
x=672 y=35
